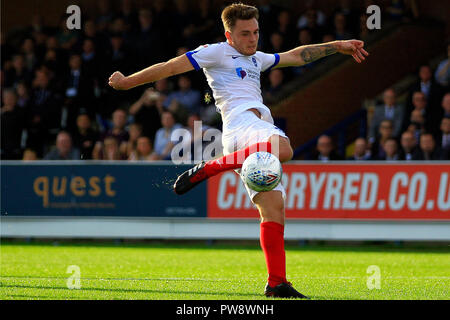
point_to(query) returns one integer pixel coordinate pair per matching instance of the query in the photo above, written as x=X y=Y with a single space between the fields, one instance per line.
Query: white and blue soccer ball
x=261 y=171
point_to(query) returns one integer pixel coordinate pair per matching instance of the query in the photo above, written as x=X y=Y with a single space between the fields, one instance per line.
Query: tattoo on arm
x=313 y=53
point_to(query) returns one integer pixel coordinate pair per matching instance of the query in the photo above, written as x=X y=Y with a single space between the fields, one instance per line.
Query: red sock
x=234 y=160
x=272 y=243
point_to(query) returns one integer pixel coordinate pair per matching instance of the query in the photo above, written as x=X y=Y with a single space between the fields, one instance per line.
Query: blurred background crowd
x=56 y=103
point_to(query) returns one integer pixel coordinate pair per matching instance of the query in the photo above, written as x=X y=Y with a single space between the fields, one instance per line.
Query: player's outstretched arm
x=310 y=53
x=153 y=73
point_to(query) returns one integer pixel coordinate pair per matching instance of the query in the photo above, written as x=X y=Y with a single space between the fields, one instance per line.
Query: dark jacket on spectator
x=435 y=155
x=332 y=157
x=85 y=143
x=407 y=156
x=12 y=123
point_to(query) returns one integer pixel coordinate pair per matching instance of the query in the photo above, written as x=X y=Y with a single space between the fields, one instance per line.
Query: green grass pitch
x=177 y=271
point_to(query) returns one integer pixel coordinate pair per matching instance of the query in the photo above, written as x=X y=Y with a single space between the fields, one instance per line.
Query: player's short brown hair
x=237 y=11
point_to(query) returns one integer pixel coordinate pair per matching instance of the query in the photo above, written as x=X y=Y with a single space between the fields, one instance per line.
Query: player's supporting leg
x=271 y=208
x=276 y=144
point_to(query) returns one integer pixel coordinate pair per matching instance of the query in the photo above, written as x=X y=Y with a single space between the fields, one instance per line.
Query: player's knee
x=274 y=215
x=272 y=211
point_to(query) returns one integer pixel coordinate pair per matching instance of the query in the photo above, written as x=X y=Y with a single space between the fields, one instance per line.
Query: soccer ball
x=261 y=171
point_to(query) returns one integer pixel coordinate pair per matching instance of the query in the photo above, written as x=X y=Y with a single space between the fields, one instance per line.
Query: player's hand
x=354 y=48
x=118 y=81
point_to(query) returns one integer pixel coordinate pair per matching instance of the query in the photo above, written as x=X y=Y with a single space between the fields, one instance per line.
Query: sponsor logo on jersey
x=254 y=61
x=241 y=73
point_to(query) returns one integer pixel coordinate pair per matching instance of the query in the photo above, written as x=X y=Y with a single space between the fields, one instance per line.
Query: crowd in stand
x=56 y=104
x=416 y=130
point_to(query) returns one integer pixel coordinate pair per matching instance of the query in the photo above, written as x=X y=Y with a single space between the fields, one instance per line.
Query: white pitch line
x=220 y=279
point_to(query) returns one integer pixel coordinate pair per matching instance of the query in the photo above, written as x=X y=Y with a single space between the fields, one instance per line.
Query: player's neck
x=234 y=47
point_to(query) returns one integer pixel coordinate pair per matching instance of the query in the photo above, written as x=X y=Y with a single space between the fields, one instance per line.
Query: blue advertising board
x=96 y=189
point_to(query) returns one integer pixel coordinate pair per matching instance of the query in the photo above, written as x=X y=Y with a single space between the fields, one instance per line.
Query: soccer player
x=233 y=69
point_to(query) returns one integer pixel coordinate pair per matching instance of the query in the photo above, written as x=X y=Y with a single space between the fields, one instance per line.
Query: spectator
x=51 y=62
x=118 y=131
x=418 y=119
x=29 y=155
x=390 y=147
x=408 y=146
x=12 y=121
x=78 y=92
x=46 y=103
x=203 y=24
x=320 y=16
x=118 y=26
x=183 y=20
x=428 y=149
x=64 y=149
x=276 y=43
x=148 y=109
x=85 y=136
x=18 y=72
x=196 y=144
x=184 y=100
x=317 y=31
x=390 y=110
x=351 y=15
x=340 y=26
x=29 y=54
x=396 y=10
x=91 y=32
x=305 y=37
x=325 y=150
x=442 y=74
x=143 y=150
x=129 y=15
x=276 y=78
x=444 y=139
x=429 y=87
x=385 y=132
x=423 y=114
x=163 y=144
x=163 y=17
x=135 y=131
x=36 y=24
x=67 y=39
x=416 y=130
x=360 y=152
x=105 y=14
x=109 y=150
x=285 y=27
x=446 y=105
x=419 y=101
x=118 y=55
x=268 y=13
x=40 y=39
x=92 y=64
x=23 y=96
x=148 y=46
x=402 y=10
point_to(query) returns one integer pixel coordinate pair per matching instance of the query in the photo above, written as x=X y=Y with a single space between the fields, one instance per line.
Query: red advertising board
x=345 y=191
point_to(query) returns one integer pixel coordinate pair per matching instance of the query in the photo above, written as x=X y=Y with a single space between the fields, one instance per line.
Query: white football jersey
x=233 y=77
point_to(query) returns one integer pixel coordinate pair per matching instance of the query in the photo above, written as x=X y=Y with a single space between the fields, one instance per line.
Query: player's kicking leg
x=277 y=145
x=271 y=209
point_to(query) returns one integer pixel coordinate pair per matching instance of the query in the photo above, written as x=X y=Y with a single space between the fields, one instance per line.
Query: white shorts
x=244 y=130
